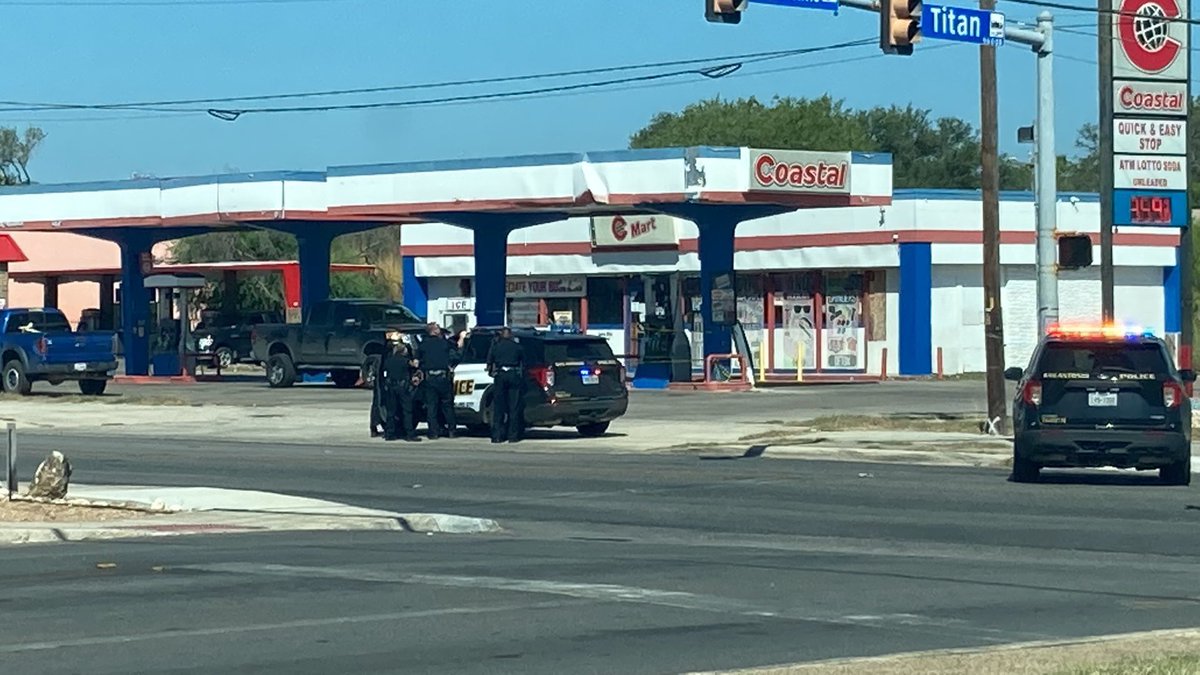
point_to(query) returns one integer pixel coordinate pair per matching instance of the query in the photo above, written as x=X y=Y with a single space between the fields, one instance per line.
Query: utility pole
x=1104 y=31
x=1047 y=182
x=990 y=173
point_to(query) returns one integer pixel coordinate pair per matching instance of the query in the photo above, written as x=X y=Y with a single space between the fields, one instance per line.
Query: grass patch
x=1175 y=664
x=945 y=424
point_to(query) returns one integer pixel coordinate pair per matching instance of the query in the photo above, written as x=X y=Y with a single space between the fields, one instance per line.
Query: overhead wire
x=1068 y=7
x=715 y=71
x=25 y=106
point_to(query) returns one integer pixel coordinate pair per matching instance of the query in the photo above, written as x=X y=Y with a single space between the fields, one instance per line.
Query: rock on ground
x=52 y=477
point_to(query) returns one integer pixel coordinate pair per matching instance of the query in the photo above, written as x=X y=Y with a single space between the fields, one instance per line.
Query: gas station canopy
x=596 y=183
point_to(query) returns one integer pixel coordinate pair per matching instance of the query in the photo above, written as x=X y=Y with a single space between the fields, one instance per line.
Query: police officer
x=506 y=365
x=400 y=381
x=436 y=356
x=377 y=404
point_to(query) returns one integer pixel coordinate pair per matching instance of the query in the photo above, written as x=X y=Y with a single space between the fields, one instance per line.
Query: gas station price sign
x=1163 y=208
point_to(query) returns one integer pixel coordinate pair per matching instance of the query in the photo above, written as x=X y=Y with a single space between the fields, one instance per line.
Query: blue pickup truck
x=38 y=344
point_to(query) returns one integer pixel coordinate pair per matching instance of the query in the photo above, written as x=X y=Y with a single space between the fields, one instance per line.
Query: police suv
x=571 y=379
x=1101 y=397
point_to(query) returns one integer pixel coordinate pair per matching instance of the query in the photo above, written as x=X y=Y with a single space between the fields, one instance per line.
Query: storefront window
x=605 y=302
x=795 y=335
x=843 y=339
x=523 y=311
x=750 y=311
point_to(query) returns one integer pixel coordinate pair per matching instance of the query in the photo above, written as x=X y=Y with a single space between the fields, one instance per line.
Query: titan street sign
x=828 y=5
x=960 y=24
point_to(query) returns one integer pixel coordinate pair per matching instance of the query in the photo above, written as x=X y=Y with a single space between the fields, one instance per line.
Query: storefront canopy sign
x=800 y=171
x=547 y=287
x=626 y=232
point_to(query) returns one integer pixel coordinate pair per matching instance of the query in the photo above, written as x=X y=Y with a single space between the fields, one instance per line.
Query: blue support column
x=716 y=258
x=916 y=309
x=135 y=305
x=1172 y=295
x=416 y=289
x=314 y=267
x=491 y=273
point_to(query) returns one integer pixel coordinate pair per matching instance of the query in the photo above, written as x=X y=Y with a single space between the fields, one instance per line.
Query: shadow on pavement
x=1142 y=479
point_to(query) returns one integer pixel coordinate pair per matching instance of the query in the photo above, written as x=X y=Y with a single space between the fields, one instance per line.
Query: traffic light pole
x=1047 y=183
x=1046 y=158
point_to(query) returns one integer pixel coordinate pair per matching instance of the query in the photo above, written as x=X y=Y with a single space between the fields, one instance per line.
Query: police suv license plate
x=590 y=379
x=1102 y=399
x=80 y=367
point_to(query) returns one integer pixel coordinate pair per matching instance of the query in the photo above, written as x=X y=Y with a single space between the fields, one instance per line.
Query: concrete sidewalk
x=208 y=510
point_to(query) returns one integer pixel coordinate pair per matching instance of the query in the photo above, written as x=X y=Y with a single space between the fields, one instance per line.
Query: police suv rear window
x=1083 y=360
x=577 y=350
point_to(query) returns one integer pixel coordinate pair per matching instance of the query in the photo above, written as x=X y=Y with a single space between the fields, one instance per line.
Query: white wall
x=957 y=317
x=1137 y=294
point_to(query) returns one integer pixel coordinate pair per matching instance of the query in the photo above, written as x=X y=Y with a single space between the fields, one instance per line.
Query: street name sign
x=961 y=24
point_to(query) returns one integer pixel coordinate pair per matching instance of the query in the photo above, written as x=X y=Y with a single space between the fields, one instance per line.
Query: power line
x=713 y=72
x=27 y=106
x=528 y=97
x=1099 y=10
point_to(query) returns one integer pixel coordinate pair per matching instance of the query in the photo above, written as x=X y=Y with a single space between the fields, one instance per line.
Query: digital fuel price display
x=1152 y=208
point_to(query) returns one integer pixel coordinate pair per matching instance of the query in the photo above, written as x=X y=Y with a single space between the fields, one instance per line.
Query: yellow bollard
x=762 y=359
x=800 y=361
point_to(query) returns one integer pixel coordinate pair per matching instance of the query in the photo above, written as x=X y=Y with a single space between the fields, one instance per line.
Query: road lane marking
x=263 y=627
x=632 y=594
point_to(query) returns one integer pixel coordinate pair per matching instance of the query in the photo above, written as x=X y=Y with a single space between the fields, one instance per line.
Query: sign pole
x=1047 y=184
x=10 y=479
x=1186 y=257
x=1104 y=57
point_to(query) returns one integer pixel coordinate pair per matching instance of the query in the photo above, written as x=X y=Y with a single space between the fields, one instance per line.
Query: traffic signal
x=724 y=11
x=1074 y=251
x=899 y=26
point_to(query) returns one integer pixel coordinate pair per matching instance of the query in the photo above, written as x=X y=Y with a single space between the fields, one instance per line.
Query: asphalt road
x=611 y=564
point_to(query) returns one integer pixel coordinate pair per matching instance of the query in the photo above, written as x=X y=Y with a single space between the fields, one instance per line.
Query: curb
x=240 y=522
x=448 y=524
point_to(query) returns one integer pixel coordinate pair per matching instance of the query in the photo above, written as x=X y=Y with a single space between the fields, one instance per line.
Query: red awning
x=9 y=251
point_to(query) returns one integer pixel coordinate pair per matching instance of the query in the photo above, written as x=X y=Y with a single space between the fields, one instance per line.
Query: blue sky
x=108 y=54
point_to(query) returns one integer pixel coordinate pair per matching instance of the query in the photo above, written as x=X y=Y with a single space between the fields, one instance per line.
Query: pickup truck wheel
x=224 y=357
x=15 y=380
x=1179 y=473
x=592 y=430
x=344 y=379
x=92 y=387
x=281 y=372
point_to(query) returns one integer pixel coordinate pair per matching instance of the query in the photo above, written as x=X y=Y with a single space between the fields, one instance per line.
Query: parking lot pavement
x=787 y=403
x=246 y=409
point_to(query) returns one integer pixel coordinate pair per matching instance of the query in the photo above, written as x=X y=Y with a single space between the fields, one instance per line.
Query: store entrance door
x=563 y=312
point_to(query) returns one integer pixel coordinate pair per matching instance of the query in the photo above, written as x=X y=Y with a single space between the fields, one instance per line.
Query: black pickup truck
x=343 y=337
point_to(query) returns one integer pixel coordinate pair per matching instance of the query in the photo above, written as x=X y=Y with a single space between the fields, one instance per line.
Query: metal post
x=1047 y=184
x=184 y=332
x=10 y=478
x=1105 y=41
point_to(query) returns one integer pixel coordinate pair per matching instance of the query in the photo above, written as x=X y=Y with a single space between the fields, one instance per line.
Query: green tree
x=266 y=291
x=15 y=151
x=927 y=151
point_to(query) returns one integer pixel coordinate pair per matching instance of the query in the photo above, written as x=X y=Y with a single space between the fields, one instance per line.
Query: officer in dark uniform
x=400 y=381
x=506 y=365
x=436 y=357
x=377 y=405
